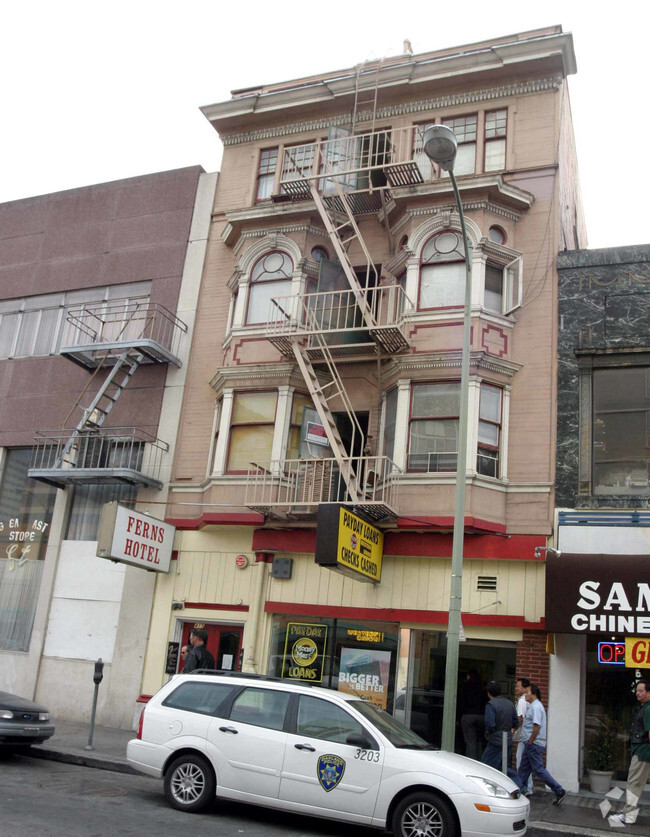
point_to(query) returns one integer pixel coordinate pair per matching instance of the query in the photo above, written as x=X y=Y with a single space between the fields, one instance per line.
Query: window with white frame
x=465 y=129
x=252 y=426
x=489 y=430
x=503 y=280
x=496 y=122
x=266 y=174
x=36 y=326
x=300 y=401
x=270 y=277
x=433 y=427
x=442 y=271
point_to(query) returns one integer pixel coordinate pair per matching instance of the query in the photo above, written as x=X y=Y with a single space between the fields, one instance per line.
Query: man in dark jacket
x=640 y=762
x=199 y=656
x=500 y=717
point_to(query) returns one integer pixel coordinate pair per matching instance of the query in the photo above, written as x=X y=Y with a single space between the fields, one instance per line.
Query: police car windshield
x=392 y=729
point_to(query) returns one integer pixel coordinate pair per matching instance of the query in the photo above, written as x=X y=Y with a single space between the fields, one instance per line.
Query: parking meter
x=98 y=676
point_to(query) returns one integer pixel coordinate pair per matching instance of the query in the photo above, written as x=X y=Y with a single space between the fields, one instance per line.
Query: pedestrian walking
x=199 y=656
x=534 y=738
x=500 y=717
x=640 y=762
x=522 y=684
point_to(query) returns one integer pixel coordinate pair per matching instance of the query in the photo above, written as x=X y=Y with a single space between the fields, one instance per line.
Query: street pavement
x=579 y=814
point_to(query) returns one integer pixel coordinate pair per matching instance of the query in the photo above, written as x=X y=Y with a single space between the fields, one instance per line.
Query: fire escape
x=111 y=340
x=348 y=177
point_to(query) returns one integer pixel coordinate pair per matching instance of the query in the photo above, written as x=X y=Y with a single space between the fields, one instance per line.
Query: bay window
x=270 y=277
x=442 y=271
x=266 y=174
x=495 y=140
x=465 y=129
x=489 y=431
x=251 y=430
x=433 y=427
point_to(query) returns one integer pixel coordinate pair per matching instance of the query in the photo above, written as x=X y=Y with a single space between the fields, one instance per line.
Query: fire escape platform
x=92 y=355
x=62 y=477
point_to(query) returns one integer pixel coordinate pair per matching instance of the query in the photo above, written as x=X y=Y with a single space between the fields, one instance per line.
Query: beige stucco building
x=325 y=371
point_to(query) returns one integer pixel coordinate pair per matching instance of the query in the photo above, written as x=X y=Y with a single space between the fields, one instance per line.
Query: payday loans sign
x=349 y=544
x=128 y=537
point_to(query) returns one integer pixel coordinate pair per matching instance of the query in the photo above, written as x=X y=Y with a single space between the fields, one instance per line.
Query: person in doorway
x=521 y=687
x=640 y=763
x=199 y=656
x=185 y=650
x=534 y=738
x=500 y=717
x=471 y=710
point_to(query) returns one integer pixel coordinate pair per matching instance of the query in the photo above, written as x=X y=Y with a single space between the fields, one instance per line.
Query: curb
x=537 y=828
x=98 y=762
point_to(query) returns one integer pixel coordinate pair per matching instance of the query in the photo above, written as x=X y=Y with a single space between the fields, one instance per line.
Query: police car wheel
x=424 y=814
x=190 y=783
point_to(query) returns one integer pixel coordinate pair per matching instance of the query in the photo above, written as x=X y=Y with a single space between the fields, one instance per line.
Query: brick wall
x=532 y=660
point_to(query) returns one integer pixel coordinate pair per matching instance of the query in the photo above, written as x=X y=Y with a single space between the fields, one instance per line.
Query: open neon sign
x=611 y=653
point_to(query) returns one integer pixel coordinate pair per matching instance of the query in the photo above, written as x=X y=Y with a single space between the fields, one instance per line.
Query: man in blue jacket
x=500 y=717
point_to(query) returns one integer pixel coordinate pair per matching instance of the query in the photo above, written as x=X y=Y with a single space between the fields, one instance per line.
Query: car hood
x=451 y=765
x=20 y=704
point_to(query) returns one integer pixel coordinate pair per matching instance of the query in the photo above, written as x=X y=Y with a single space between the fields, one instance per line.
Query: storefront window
x=610 y=699
x=26 y=507
x=354 y=657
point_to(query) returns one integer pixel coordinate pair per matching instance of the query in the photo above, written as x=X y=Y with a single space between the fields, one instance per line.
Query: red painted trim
x=455 y=350
x=174 y=554
x=485 y=331
x=216 y=519
x=240 y=343
x=415 y=544
x=388 y=614
x=144 y=699
x=473 y=525
x=216 y=606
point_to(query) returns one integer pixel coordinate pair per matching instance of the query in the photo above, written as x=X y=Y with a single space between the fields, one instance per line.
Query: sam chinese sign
x=132 y=538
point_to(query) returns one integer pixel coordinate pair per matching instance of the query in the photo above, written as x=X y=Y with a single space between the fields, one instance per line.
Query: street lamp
x=440 y=146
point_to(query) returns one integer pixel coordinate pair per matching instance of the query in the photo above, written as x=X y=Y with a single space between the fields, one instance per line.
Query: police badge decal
x=330 y=770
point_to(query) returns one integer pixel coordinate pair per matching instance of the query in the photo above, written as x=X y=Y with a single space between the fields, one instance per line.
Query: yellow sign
x=360 y=546
x=304 y=651
x=637 y=652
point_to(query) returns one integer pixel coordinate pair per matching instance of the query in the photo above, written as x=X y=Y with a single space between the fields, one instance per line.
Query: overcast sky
x=95 y=92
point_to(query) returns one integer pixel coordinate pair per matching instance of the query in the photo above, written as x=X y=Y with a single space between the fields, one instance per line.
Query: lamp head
x=440 y=145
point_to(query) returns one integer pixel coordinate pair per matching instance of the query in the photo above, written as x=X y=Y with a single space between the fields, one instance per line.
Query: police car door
x=322 y=773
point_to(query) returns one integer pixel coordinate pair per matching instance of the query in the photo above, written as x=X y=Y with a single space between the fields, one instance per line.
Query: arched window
x=442 y=271
x=270 y=277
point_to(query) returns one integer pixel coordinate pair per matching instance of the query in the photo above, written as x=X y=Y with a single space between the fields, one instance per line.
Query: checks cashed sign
x=132 y=538
x=598 y=594
x=348 y=544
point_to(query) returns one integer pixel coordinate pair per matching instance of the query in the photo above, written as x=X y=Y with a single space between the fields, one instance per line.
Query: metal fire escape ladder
x=334 y=229
x=322 y=395
x=95 y=414
x=365 y=96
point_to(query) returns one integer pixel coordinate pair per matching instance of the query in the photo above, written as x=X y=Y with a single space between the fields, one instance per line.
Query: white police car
x=314 y=751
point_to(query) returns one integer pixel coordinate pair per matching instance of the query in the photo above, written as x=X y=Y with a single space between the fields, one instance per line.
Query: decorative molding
x=403 y=108
x=476 y=206
x=479 y=360
x=237 y=376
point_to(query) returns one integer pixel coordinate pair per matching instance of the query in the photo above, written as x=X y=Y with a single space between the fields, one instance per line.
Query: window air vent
x=486 y=582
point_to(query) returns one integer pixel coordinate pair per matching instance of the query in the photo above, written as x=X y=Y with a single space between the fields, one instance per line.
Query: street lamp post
x=440 y=145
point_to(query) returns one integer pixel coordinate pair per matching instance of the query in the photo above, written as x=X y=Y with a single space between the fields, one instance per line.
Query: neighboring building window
x=251 y=430
x=465 y=129
x=266 y=174
x=621 y=430
x=495 y=139
x=489 y=431
x=26 y=508
x=87 y=504
x=433 y=427
x=300 y=401
x=442 y=271
x=270 y=277
x=36 y=326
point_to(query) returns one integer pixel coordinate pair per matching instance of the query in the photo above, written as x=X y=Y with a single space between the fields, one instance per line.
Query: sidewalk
x=578 y=814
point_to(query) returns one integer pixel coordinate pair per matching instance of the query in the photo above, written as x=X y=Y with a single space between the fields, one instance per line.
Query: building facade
x=601 y=595
x=98 y=291
x=324 y=379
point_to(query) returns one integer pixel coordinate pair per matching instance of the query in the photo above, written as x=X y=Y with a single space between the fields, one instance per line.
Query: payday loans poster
x=364 y=672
